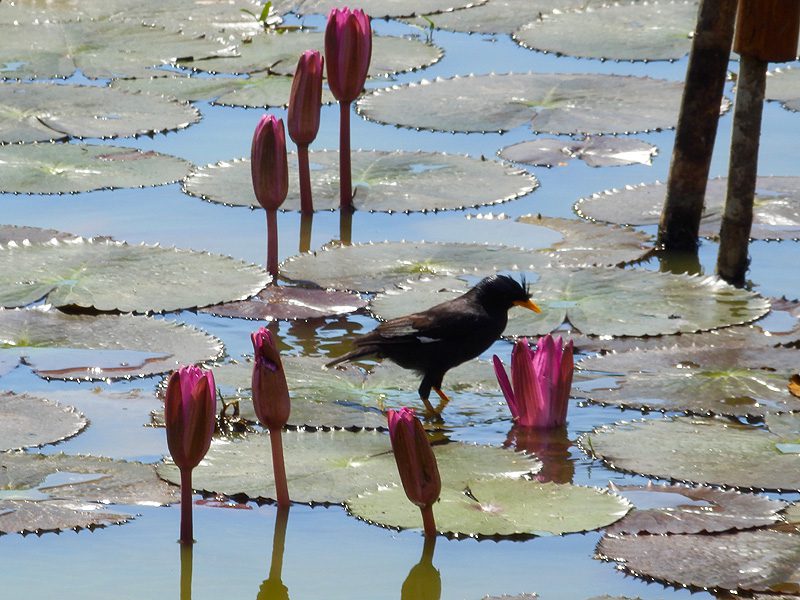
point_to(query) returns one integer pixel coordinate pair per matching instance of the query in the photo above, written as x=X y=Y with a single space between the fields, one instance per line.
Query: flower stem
x=186 y=507
x=428 y=522
x=345 y=176
x=278 y=467
x=272 y=244
x=306 y=201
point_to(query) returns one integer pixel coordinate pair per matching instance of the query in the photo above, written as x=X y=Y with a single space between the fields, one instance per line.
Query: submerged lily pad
x=113 y=276
x=71 y=168
x=699 y=450
x=627 y=31
x=29 y=421
x=278 y=53
x=382 y=181
x=759 y=561
x=60 y=346
x=588 y=298
x=555 y=103
x=386 y=9
x=680 y=509
x=776 y=208
x=31 y=112
x=329 y=467
x=727 y=380
x=595 y=152
x=274 y=302
x=499 y=507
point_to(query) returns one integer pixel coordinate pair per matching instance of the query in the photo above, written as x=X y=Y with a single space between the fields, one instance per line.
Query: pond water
x=329 y=554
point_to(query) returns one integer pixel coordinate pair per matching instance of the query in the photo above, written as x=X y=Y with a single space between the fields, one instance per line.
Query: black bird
x=434 y=341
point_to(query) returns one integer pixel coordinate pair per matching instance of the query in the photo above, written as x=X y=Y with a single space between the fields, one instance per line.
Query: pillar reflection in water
x=424 y=581
x=306 y=221
x=272 y=587
x=186 y=571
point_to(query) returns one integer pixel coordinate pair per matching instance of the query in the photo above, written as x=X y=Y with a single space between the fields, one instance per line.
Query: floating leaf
x=113 y=276
x=760 y=560
x=555 y=103
x=275 y=302
x=70 y=168
x=514 y=597
x=60 y=346
x=783 y=85
x=679 y=509
x=377 y=267
x=28 y=421
x=386 y=9
x=25 y=516
x=382 y=181
x=776 y=208
x=728 y=380
x=629 y=31
x=589 y=298
x=198 y=18
x=278 y=52
x=499 y=507
x=33 y=112
x=698 y=450
x=329 y=467
x=20 y=235
x=595 y=152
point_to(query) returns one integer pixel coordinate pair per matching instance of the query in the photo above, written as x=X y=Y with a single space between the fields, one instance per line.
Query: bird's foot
x=444 y=400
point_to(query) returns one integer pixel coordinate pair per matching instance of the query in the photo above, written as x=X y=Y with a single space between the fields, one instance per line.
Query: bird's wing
x=449 y=322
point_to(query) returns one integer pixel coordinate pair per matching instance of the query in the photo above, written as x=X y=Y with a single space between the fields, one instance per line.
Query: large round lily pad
x=699 y=450
x=21 y=235
x=329 y=467
x=70 y=168
x=546 y=102
x=776 y=208
x=31 y=112
x=113 y=276
x=730 y=379
x=602 y=151
x=60 y=346
x=280 y=302
x=783 y=85
x=383 y=181
x=199 y=18
x=589 y=299
x=29 y=421
x=278 y=52
x=626 y=31
x=673 y=509
x=500 y=507
x=25 y=516
x=385 y=9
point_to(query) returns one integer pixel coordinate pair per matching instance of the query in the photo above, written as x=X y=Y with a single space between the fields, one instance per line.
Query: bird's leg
x=444 y=399
x=424 y=393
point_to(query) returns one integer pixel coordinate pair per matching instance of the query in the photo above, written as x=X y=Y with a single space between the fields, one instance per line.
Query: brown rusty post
x=766 y=30
x=697 y=125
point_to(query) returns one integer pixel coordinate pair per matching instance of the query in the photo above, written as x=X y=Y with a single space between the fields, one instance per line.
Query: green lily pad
x=20 y=235
x=783 y=85
x=759 y=561
x=113 y=276
x=274 y=302
x=677 y=509
x=726 y=380
x=24 y=516
x=588 y=298
x=100 y=49
x=377 y=267
x=557 y=103
x=697 y=450
x=385 y=9
x=383 y=182
x=71 y=168
x=29 y=421
x=31 y=112
x=278 y=53
x=497 y=508
x=329 y=467
x=199 y=18
x=60 y=346
x=776 y=208
x=628 y=31
x=595 y=152
x=514 y=597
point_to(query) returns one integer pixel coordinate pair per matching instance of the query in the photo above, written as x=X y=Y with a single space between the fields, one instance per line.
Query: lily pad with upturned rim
x=281 y=302
x=557 y=103
x=72 y=168
x=21 y=235
x=505 y=507
x=30 y=421
x=594 y=151
x=113 y=276
x=383 y=181
x=25 y=516
x=386 y=9
x=783 y=85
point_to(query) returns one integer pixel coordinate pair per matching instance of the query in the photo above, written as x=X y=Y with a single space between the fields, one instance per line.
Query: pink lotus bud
x=270 y=392
x=416 y=463
x=190 y=411
x=305 y=100
x=348 y=51
x=268 y=163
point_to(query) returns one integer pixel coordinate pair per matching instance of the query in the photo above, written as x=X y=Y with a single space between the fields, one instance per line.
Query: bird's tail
x=352 y=355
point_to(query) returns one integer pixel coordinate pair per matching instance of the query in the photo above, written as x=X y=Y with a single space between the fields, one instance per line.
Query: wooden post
x=766 y=30
x=697 y=126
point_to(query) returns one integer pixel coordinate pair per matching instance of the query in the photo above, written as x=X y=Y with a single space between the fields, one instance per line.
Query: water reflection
x=186 y=571
x=550 y=446
x=679 y=263
x=424 y=581
x=272 y=587
x=306 y=220
x=346 y=227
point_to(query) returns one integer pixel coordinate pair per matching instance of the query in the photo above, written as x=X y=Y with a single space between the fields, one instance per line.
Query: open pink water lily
x=270 y=391
x=305 y=100
x=538 y=393
x=190 y=410
x=268 y=163
x=348 y=51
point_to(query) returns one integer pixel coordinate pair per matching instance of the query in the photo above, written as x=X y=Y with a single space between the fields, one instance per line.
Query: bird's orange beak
x=527 y=304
